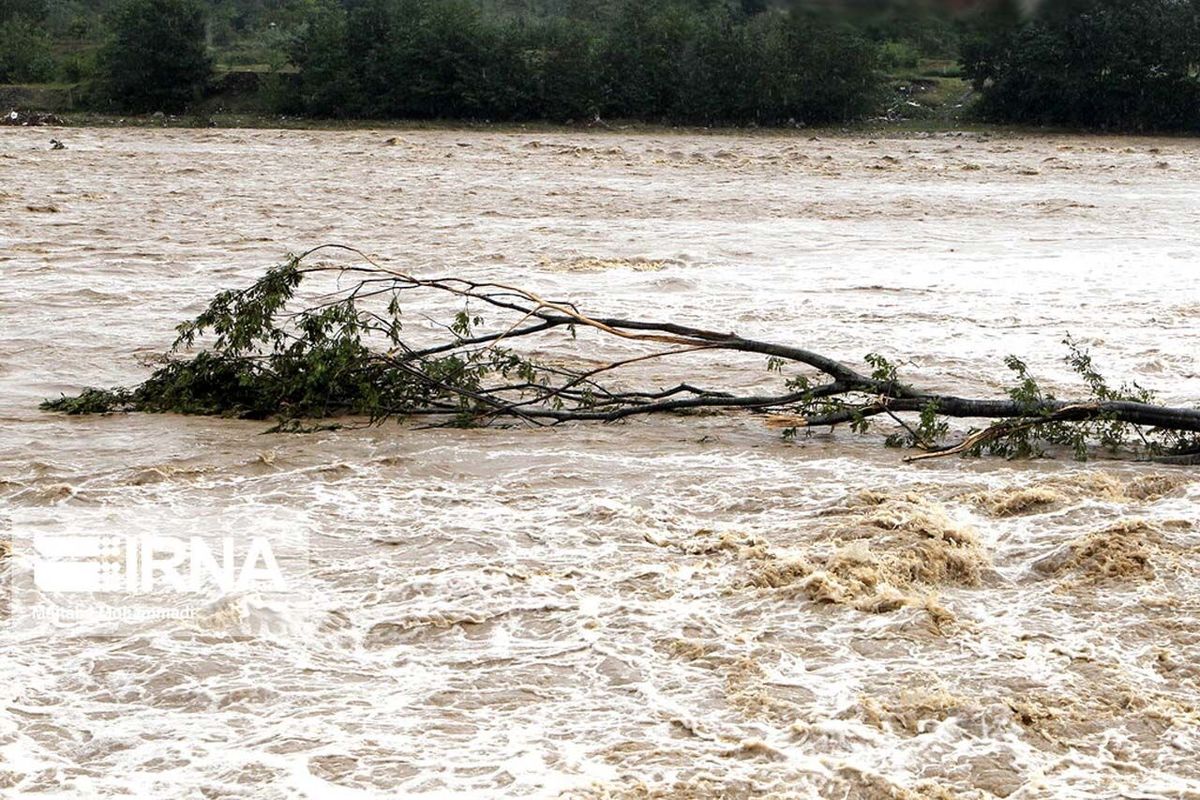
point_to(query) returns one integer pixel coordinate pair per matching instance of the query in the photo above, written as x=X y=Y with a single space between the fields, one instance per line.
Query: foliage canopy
x=1123 y=64
x=24 y=51
x=156 y=59
x=653 y=61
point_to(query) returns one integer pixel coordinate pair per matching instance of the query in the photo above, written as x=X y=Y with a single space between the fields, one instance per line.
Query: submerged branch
x=347 y=352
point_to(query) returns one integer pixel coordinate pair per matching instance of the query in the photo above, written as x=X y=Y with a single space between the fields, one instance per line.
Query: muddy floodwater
x=677 y=607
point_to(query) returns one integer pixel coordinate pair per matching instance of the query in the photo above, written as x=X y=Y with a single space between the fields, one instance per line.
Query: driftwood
x=346 y=355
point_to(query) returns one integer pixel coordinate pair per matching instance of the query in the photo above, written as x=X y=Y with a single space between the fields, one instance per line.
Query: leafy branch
x=265 y=351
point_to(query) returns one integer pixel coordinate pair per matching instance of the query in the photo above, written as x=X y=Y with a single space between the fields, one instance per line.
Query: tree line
x=697 y=61
x=1119 y=64
x=656 y=61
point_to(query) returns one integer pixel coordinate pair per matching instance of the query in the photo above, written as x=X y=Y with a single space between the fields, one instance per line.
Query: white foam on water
x=533 y=613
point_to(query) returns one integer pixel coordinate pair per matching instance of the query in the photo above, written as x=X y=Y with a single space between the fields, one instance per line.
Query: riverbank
x=234 y=121
x=921 y=100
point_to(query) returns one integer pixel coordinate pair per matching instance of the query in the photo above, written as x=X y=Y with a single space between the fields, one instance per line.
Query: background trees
x=666 y=61
x=157 y=59
x=24 y=51
x=1129 y=64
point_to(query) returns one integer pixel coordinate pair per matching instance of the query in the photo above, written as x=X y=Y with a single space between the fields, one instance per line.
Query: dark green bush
x=1120 y=64
x=674 y=61
x=326 y=83
x=898 y=55
x=927 y=27
x=24 y=52
x=564 y=64
x=32 y=11
x=642 y=60
x=156 y=59
x=814 y=71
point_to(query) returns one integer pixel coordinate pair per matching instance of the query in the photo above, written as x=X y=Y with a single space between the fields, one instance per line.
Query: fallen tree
x=347 y=353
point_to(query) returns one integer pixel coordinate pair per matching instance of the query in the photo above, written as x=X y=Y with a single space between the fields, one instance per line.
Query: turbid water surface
x=678 y=607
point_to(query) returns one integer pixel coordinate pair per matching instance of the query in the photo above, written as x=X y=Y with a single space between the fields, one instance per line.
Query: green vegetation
x=341 y=349
x=651 y=61
x=24 y=52
x=266 y=361
x=1114 y=64
x=666 y=61
x=156 y=59
x=1120 y=64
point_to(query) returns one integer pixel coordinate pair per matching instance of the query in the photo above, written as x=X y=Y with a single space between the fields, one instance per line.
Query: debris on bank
x=30 y=118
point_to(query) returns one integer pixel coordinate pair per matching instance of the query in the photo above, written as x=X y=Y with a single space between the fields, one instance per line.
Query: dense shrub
x=670 y=61
x=642 y=59
x=156 y=59
x=563 y=60
x=326 y=85
x=1126 y=64
x=926 y=27
x=411 y=58
x=24 y=52
x=813 y=71
x=899 y=55
x=34 y=11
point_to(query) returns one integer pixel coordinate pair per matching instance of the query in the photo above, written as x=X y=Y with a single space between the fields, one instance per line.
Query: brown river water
x=677 y=607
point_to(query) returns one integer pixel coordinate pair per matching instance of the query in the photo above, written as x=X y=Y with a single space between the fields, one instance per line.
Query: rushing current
x=675 y=607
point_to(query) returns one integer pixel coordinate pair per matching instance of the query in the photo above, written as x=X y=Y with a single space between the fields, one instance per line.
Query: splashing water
x=680 y=607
